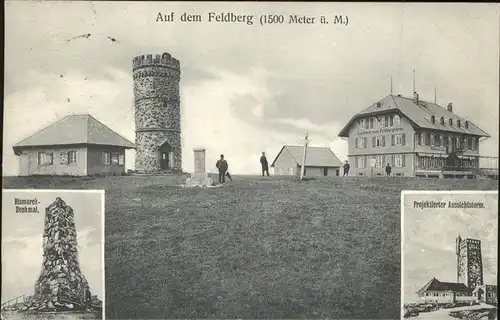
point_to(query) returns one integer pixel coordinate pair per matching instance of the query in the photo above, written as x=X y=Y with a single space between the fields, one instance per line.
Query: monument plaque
x=199 y=178
x=199 y=160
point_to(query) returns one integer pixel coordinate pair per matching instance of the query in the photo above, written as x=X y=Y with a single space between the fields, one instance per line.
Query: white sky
x=22 y=242
x=247 y=88
x=429 y=237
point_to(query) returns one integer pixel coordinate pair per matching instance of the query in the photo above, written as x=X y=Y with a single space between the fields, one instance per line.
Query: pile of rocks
x=61 y=285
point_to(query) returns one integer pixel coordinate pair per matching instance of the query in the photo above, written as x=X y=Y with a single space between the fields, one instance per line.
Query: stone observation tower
x=61 y=283
x=157 y=113
x=469 y=262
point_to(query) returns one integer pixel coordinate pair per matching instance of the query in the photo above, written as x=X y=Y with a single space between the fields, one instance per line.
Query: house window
x=361 y=143
x=379 y=161
x=450 y=122
x=458 y=123
x=442 y=121
x=105 y=158
x=121 y=159
x=114 y=158
x=72 y=157
x=399 y=139
x=466 y=124
x=397 y=120
x=45 y=158
x=433 y=119
x=419 y=139
x=361 y=162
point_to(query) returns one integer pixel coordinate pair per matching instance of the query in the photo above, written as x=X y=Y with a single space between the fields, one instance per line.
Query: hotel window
x=63 y=156
x=360 y=143
x=450 y=122
x=399 y=160
x=397 y=120
x=372 y=121
x=45 y=159
x=114 y=158
x=442 y=120
x=433 y=119
x=72 y=157
x=362 y=123
x=437 y=140
x=473 y=143
x=458 y=142
x=466 y=124
x=446 y=141
x=469 y=143
x=361 y=162
x=379 y=161
x=432 y=140
x=427 y=138
x=419 y=138
x=121 y=159
x=458 y=123
x=367 y=123
x=386 y=121
x=391 y=121
x=105 y=158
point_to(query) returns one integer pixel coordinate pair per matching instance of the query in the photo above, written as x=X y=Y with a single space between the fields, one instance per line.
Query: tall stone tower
x=157 y=113
x=469 y=262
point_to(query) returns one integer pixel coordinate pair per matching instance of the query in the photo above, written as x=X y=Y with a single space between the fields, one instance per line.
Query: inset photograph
x=52 y=254
x=449 y=254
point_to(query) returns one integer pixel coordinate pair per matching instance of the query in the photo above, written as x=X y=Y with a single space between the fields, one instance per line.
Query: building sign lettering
x=377 y=131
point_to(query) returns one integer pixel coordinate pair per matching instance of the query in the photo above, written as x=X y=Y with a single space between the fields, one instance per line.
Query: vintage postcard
x=253 y=154
x=52 y=254
x=449 y=259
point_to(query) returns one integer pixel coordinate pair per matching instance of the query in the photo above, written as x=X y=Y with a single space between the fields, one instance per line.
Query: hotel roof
x=420 y=114
x=316 y=156
x=75 y=129
x=436 y=285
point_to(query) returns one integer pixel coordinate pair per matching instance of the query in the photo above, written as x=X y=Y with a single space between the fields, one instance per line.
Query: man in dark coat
x=222 y=166
x=265 y=165
x=388 y=169
x=346 y=168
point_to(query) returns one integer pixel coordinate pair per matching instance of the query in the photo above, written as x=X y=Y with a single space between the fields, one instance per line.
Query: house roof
x=436 y=285
x=316 y=156
x=75 y=129
x=420 y=114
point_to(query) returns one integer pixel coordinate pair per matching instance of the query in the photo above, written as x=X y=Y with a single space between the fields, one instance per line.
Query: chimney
x=415 y=96
x=450 y=107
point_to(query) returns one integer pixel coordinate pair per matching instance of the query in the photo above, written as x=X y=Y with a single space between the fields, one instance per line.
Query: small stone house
x=319 y=162
x=486 y=294
x=76 y=145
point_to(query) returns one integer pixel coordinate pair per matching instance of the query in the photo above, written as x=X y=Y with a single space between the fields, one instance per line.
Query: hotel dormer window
x=397 y=120
x=433 y=119
x=458 y=123
x=466 y=124
x=442 y=120
x=450 y=121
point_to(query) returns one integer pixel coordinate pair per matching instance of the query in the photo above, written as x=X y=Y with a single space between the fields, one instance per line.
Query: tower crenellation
x=157 y=113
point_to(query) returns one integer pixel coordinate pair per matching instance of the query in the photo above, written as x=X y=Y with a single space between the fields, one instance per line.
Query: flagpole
x=302 y=169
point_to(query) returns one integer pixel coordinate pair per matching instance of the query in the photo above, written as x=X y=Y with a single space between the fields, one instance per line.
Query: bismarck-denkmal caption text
x=251 y=19
x=26 y=205
x=448 y=205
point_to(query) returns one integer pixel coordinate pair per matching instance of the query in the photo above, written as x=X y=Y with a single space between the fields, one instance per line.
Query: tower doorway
x=164 y=164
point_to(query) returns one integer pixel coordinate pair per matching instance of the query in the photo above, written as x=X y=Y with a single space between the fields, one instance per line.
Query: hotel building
x=417 y=138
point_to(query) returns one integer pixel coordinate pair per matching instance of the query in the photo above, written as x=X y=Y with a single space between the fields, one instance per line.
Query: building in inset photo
x=415 y=137
x=76 y=145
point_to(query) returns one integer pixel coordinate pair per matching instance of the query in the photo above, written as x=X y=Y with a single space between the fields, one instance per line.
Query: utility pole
x=302 y=169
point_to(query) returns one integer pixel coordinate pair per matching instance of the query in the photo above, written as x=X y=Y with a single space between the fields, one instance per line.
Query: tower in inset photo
x=157 y=113
x=469 y=262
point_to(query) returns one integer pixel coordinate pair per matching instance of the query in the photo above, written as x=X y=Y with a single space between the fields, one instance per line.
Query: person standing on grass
x=388 y=169
x=222 y=166
x=265 y=165
x=346 y=168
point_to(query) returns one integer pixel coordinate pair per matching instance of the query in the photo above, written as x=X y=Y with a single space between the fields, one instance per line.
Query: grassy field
x=255 y=248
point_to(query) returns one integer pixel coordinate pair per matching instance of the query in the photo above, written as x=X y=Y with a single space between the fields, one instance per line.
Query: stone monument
x=199 y=178
x=61 y=284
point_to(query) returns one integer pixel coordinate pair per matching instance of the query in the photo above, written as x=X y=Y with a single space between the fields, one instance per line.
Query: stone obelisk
x=61 y=284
